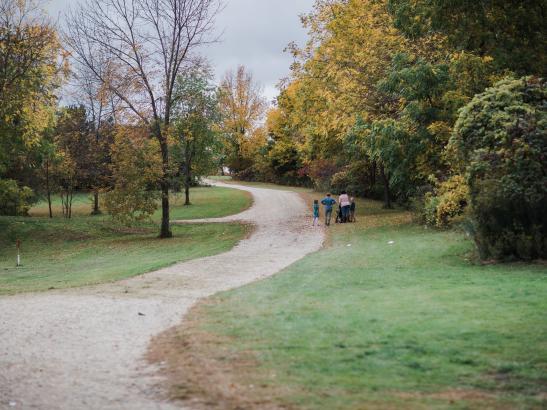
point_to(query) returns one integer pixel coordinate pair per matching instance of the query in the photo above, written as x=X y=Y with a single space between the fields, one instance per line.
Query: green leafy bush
x=500 y=144
x=447 y=202
x=14 y=200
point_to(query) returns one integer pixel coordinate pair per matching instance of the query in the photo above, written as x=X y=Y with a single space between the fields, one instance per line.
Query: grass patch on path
x=412 y=324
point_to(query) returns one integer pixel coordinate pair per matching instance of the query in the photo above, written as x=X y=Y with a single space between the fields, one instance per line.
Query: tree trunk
x=48 y=190
x=387 y=194
x=187 y=183
x=373 y=171
x=69 y=199
x=96 y=210
x=64 y=204
x=187 y=192
x=49 y=203
x=188 y=174
x=165 y=231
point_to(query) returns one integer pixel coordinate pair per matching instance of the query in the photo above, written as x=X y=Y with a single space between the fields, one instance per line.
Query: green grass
x=207 y=202
x=415 y=324
x=211 y=202
x=81 y=206
x=59 y=253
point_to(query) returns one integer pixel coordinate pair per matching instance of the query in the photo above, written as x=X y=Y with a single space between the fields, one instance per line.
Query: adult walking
x=345 y=204
x=328 y=202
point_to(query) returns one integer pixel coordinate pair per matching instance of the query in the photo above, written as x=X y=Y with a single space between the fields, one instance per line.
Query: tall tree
x=101 y=107
x=242 y=108
x=73 y=166
x=137 y=48
x=195 y=125
x=30 y=53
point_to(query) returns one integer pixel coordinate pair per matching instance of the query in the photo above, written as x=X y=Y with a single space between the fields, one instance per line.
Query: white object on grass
x=391 y=242
x=349 y=245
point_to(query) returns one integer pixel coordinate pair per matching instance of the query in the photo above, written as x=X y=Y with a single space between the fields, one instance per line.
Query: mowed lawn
x=207 y=202
x=365 y=324
x=58 y=253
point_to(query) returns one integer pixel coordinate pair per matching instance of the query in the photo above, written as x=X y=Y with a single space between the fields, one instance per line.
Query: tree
x=513 y=32
x=136 y=49
x=500 y=145
x=351 y=48
x=101 y=107
x=49 y=158
x=72 y=162
x=136 y=170
x=31 y=69
x=195 y=118
x=242 y=107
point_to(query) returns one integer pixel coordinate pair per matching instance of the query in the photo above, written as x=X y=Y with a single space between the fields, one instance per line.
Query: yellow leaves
x=357 y=46
x=241 y=103
x=441 y=130
x=449 y=200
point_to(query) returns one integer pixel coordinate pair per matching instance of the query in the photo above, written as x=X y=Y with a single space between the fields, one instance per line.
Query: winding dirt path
x=84 y=348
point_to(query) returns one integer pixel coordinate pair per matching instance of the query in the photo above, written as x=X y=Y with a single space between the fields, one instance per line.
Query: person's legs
x=328 y=215
x=345 y=213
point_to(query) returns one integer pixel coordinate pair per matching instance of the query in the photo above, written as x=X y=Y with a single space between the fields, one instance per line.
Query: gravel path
x=84 y=348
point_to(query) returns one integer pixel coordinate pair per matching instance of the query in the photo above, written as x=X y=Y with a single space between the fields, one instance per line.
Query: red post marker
x=18 y=245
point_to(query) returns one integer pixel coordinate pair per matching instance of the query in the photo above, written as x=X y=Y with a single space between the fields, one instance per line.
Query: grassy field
x=390 y=315
x=207 y=202
x=59 y=253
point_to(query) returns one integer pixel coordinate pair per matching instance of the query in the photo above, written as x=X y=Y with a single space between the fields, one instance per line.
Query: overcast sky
x=255 y=32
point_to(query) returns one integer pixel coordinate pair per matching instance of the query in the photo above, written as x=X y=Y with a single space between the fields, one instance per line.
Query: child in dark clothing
x=352 y=210
x=339 y=215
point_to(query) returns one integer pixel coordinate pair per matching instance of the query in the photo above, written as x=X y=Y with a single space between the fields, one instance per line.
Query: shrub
x=355 y=178
x=500 y=144
x=447 y=202
x=320 y=172
x=14 y=200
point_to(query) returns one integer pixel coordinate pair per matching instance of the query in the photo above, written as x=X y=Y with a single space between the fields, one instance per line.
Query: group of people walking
x=344 y=214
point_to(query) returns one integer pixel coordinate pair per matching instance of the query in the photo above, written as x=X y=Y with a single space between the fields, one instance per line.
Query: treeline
x=140 y=114
x=439 y=106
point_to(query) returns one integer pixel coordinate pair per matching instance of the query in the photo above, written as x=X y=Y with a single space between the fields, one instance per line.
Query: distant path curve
x=84 y=348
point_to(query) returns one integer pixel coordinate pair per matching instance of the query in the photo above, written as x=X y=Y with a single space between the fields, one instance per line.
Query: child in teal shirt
x=316 y=212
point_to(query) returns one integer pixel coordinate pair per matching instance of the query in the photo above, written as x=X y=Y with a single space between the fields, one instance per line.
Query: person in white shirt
x=345 y=203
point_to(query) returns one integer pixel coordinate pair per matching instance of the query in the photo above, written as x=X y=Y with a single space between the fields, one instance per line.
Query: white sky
x=255 y=32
